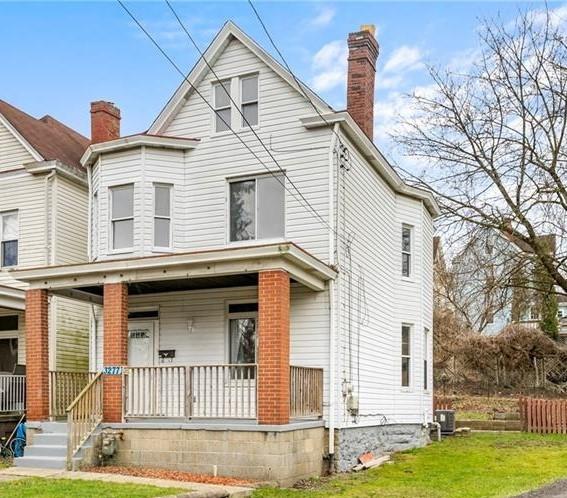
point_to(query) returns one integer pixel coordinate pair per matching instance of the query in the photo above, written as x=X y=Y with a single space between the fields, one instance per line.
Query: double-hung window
x=122 y=217
x=222 y=105
x=162 y=215
x=257 y=208
x=406 y=250
x=406 y=355
x=9 y=237
x=249 y=100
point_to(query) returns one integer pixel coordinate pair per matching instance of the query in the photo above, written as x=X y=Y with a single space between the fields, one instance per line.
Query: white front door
x=141 y=343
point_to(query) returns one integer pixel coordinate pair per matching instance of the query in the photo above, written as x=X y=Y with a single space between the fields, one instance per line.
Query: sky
x=57 y=57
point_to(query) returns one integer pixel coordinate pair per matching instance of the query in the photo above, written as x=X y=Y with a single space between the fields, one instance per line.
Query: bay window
x=162 y=215
x=406 y=250
x=406 y=355
x=122 y=217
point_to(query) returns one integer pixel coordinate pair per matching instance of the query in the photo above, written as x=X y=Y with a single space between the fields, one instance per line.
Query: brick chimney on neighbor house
x=362 y=55
x=105 y=121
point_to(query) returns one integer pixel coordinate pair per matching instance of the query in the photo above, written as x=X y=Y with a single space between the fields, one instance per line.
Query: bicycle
x=13 y=446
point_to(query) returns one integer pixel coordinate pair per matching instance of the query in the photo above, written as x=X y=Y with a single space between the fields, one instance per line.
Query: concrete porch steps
x=48 y=449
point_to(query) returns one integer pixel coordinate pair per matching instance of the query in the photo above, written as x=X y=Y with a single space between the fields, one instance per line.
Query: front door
x=141 y=343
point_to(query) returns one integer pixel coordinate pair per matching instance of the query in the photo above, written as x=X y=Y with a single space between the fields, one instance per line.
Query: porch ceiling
x=181 y=271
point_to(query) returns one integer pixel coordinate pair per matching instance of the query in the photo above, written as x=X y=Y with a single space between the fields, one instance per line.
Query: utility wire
x=174 y=64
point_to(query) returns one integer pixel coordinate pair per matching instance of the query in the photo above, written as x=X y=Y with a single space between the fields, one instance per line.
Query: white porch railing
x=12 y=393
x=203 y=391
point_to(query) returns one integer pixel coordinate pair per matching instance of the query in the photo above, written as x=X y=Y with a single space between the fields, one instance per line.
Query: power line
x=194 y=88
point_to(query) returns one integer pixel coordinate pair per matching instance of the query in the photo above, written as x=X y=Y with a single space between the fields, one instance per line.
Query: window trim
x=9 y=212
x=409 y=276
x=408 y=356
x=216 y=109
x=155 y=216
x=241 y=102
x=255 y=240
x=112 y=249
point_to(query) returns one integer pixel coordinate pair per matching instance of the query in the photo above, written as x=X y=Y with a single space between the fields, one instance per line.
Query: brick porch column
x=115 y=347
x=273 y=347
x=37 y=355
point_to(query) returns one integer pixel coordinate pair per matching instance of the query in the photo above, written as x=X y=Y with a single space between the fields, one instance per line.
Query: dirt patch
x=174 y=475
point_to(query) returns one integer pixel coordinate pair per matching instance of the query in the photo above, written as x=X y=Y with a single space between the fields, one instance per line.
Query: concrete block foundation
x=351 y=442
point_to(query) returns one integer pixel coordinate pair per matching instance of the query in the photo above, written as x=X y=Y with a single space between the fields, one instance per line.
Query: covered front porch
x=208 y=336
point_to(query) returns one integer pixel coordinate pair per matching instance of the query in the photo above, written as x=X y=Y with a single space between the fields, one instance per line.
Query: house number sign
x=112 y=370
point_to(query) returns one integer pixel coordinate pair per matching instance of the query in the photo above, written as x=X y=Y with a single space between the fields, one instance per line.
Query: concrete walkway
x=194 y=489
x=556 y=490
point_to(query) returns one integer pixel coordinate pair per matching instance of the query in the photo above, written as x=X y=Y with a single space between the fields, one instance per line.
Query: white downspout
x=332 y=308
x=89 y=217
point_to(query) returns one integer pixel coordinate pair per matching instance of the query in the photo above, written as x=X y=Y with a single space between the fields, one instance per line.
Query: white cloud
x=323 y=17
x=404 y=58
x=330 y=66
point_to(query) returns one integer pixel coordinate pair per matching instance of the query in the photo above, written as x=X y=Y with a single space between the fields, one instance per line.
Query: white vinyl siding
x=13 y=154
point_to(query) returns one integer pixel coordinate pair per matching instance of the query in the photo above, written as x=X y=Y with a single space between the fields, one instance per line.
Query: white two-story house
x=43 y=207
x=261 y=277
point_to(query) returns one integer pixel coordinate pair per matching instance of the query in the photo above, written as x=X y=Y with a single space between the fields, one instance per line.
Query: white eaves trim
x=12 y=298
x=373 y=156
x=133 y=141
x=228 y=32
x=302 y=266
x=35 y=154
x=60 y=168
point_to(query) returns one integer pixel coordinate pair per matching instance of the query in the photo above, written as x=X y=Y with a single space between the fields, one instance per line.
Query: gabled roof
x=50 y=139
x=229 y=32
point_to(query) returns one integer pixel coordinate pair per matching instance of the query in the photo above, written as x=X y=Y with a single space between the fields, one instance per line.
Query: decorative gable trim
x=228 y=32
x=34 y=153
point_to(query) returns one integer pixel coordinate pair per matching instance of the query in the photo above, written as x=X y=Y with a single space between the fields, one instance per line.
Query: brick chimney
x=105 y=121
x=362 y=55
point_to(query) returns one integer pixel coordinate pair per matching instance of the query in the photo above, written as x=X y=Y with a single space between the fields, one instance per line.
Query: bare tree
x=494 y=139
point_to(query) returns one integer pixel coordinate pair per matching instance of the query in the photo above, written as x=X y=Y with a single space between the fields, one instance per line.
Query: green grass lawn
x=482 y=465
x=72 y=488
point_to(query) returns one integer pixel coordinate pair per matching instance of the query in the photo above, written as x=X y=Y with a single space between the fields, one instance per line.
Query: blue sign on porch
x=112 y=370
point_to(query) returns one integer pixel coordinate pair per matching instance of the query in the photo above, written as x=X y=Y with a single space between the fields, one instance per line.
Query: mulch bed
x=174 y=475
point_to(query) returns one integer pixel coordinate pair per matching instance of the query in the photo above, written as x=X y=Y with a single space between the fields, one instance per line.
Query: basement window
x=257 y=208
x=122 y=216
x=9 y=236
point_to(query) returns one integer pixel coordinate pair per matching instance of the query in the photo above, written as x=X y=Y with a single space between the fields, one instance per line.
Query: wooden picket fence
x=442 y=403
x=544 y=416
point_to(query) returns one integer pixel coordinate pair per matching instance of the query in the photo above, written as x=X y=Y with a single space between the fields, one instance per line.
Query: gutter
x=56 y=166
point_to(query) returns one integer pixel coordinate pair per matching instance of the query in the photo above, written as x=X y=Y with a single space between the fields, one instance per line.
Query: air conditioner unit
x=446 y=419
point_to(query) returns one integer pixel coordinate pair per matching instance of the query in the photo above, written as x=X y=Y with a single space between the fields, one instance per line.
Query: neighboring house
x=493 y=283
x=43 y=205
x=240 y=332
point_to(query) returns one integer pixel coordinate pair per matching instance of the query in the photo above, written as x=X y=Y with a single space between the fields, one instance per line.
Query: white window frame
x=216 y=109
x=156 y=216
x=255 y=240
x=11 y=212
x=409 y=253
x=241 y=102
x=408 y=356
x=112 y=219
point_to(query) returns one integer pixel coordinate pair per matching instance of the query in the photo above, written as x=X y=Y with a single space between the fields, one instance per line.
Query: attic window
x=222 y=105
x=249 y=100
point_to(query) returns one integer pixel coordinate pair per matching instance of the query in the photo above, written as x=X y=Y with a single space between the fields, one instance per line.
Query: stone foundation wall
x=351 y=442
x=282 y=456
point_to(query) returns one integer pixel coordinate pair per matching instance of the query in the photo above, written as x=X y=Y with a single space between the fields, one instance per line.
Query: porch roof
x=80 y=280
x=12 y=298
